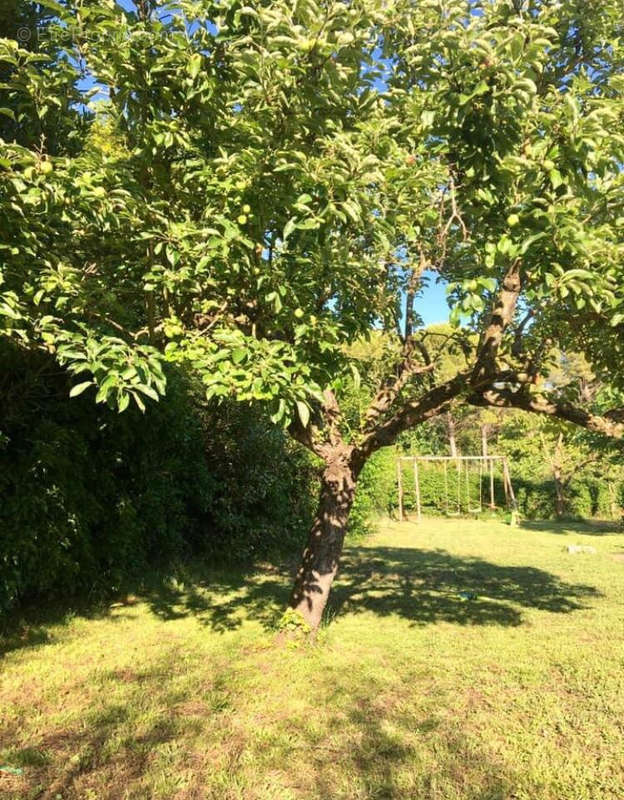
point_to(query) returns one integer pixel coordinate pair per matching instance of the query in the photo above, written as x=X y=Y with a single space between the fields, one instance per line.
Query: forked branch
x=386 y=396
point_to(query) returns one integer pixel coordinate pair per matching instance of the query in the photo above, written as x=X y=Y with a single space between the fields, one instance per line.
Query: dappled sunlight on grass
x=462 y=661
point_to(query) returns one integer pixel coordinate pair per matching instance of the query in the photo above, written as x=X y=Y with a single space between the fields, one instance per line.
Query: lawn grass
x=462 y=660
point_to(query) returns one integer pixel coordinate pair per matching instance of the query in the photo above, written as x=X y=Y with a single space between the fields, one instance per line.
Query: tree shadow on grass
x=103 y=753
x=382 y=748
x=594 y=527
x=32 y=626
x=366 y=740
x=218 y=597
x=221 y=600
x=429 y=586
x=422 y=586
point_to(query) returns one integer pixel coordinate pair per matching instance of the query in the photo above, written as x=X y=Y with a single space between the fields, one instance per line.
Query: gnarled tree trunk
x=321 y=556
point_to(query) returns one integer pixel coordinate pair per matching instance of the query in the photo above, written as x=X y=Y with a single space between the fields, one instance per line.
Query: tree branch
x=501 y=318
x=385 y=397
x=552 y=407
x=429 y=405
x=578 y=468
x=392 y=386
x=410 y=295
x=332 y=416
x=312 y=437
x=307 y=436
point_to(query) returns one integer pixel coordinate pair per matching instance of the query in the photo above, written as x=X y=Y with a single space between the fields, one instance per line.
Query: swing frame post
x=505 y=486
x=507 y=475
x=417 y=491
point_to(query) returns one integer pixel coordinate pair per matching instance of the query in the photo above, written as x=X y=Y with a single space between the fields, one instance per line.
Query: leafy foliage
x=92 y=500
x=263 y=185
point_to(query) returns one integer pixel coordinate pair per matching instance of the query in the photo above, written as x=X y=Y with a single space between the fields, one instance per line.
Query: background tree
x=547 y=450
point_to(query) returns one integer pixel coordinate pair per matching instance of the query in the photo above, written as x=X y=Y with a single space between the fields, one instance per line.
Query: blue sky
x=432 y=305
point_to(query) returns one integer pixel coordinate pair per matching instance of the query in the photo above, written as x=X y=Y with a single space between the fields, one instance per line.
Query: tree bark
x=450 y=423
x=613 y=504
x=321 y=556
x=610 y=424
x=560 y=500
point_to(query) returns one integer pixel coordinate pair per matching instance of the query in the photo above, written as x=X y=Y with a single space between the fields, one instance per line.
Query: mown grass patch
x=463 y=660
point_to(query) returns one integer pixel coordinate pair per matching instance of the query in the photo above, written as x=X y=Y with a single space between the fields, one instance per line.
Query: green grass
x=463 y=659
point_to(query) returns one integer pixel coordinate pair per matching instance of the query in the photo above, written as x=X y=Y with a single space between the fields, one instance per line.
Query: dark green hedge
x=375 y=489
x=91 y=499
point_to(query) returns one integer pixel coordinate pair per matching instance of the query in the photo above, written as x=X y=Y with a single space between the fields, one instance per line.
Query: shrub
x=374 y=493
x=92 y=499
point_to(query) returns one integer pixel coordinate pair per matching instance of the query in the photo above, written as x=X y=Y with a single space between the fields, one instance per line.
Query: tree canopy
x=261 y=185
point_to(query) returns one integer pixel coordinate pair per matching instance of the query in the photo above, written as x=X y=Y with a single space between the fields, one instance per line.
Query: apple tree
x=264 y=185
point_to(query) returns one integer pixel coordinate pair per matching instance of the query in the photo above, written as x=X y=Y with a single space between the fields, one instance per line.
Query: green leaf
x=617 y=319
x=148 y=391
x=279 y=414
x=289 y=227
x=303 y=410
x=308 y=224
x=194 y=65
x=555 y=178
x=79 y=388
x=526 y=244
x=53 y=6
x=516 y=45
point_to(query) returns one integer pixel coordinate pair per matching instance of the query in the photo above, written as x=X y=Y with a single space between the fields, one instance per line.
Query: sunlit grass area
x=461 y=659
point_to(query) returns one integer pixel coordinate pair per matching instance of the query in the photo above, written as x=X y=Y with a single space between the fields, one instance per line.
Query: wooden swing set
x=462 y=466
